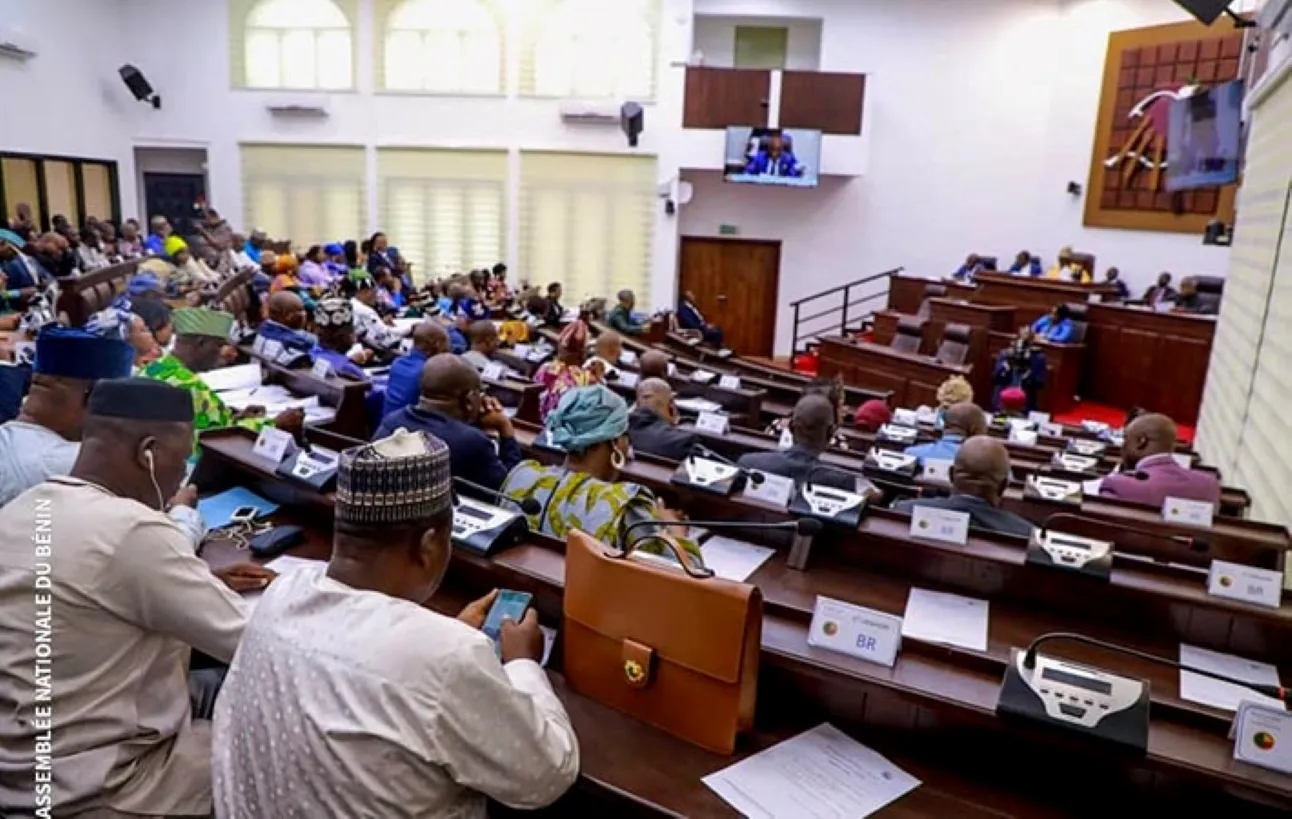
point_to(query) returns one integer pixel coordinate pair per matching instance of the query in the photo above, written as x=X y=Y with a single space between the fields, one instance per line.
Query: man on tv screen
x=775 y=158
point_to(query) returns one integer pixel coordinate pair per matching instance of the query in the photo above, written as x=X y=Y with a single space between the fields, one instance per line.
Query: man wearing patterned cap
x=200 y=332
x=44 y=440
x=334 y=320
x=348 y=659
x=128 y=599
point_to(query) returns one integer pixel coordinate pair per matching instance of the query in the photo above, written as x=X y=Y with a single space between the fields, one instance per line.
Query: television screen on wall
x=771 y=156
x=1205 y=138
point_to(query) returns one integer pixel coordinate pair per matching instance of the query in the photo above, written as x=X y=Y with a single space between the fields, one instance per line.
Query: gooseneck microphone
x=527 y=505
x=699 y=450
x=1277 y=692
x=1192 y=543
x=805 y=527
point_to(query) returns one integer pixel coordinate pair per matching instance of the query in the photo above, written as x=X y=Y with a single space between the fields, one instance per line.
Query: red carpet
x=1088 y=411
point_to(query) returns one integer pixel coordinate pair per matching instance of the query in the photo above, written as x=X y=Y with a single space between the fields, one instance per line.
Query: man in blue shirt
x=969 y=269
x=1025 y=264
x=156 y=241
x=961 y=421
x=1113 y=277
x=453 y=408
x=255 y=244
x=403 y=387
x=1056 y=327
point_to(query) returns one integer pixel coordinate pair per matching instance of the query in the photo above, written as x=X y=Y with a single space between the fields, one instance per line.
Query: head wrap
x=1013 y=399
x=141 y=399
x=174 y=245
x=70 y=352
x=1066 y=250
x=10 y=238
x=286 y=263
x=333 y=313
x=955 y=390
x=397 y=480
x=575 y=336
x=872 y=415
x=334 y=249
x=143 y=283
x=202 y=321
x=587 y=416
x=113 y=321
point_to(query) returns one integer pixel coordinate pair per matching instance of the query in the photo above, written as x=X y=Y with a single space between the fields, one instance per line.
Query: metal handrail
x=842 y=308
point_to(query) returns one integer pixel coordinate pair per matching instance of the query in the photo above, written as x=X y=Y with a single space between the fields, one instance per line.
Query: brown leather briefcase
x=674 y=647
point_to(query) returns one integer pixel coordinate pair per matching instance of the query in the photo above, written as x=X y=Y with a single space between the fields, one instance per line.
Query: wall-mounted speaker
x=139 y=85
x=1205 y=10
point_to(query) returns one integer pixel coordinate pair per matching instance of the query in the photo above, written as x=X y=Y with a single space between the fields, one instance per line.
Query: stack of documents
x=1223 y=695
x=946 y=619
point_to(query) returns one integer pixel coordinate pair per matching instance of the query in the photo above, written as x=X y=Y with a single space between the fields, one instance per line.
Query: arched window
x=444 y=46
x=593 y=49
x=298 y=44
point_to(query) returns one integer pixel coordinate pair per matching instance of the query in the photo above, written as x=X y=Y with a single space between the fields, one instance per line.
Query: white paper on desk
x=947 y=619
x=241 y=377
x=283 y=564
x=819 y=774
x=1223 y=695
x=697 y=405
x=733 y=559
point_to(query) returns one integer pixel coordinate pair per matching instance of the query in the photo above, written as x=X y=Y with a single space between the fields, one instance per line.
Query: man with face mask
x=979 y=477
x=343 y=666
x=92 y=559
x=652 y=425
x=454 y=409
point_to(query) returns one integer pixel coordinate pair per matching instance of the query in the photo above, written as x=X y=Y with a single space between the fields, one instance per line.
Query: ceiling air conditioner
x=16 y=45
x=582 y=112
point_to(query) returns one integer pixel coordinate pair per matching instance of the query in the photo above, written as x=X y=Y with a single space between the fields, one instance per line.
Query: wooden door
x=735 y=283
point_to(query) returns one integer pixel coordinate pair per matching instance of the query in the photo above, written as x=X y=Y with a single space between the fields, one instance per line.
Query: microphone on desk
x=527 y=505
x=1089 y=700
x=1192 y=543
x=699 y=450
x=804 y=527
x=1085 y=555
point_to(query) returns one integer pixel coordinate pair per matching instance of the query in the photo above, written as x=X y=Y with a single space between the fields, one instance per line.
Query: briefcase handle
x=683 y=557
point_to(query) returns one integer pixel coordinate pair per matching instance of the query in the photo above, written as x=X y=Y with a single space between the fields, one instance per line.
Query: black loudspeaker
x=1205 y=10
x=139 y=85
x=633 y=121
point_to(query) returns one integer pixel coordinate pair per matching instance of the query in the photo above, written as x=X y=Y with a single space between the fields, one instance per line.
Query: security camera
x=632 y=119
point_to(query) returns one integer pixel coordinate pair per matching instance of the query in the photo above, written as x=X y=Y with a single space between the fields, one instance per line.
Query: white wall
x=165 y=160
x=715 y=37
x=979 y=113
x=68 y=100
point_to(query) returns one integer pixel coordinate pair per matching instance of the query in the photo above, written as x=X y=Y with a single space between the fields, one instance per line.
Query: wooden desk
x=521 y=396
x=1063 y=366
x=1153 y=360
x=80 y=297
x=906 y=293
x=1031 y=297
x=982 y=320
x=913 y=379
x=347 y=395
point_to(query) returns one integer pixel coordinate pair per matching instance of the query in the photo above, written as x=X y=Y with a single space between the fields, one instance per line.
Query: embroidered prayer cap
x=71 y=352
x=575 y=336
x=141 y=399
x=334 y=313
x=202 y=321
x=401 y=479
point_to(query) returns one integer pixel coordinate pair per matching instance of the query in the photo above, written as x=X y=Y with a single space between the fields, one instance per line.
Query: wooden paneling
x=1033 y=298
x=734 y=282
x=906 y=293
x=719 y=97
x=914 y=379
x=1153 y=360
x=823 y=101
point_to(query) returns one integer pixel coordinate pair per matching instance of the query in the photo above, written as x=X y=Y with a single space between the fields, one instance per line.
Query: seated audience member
x=129 y=597
x=979 y=478
x=368 y=324
x=954 y=390
x=653 y=364
x=1160 y=293
x=969 y=269
x=813 y=424
x=1025 y=264
x=453 y=407
x=215 y=230
x=872 y=415
x=483 y=337
x=1150 y=474
x=157 y=318
x=499 y=292
x=188 y=273
x=349 y=697
x=200 y=333
x=1113 y=276
x=146 y=285
x=286 y=323
x=379 y=257
x=621 y=318
x=335 y=323
x=652 y=425
x=21 y=273
x=118 y=321
x=391 y=296
x=591 y=425
x=1068 y=269
x=285 y=274
x=22 y=223
x=403 y=386
x=335 y=262
x=607 y=349
x=255 y=245
x=690 y=318
x=566 y=371
x=554 y=309
x=831 y=388
x=1056 y=326
x=313 y=275
x=1020 y=366
x=90 y=252
x=156 y=241
x=960 y=422
x=1188 y=301
x=43 y=440
x=129 y=245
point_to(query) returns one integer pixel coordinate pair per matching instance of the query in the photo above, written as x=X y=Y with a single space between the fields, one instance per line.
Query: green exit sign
x=728 y=230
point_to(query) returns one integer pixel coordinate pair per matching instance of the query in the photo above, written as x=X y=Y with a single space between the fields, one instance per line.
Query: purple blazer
x=1162 y=478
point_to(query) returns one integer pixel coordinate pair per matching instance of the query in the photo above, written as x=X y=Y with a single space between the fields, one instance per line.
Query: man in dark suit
x=652 y=426
x=978 y=481
x=1161 y=292
x=812 y=424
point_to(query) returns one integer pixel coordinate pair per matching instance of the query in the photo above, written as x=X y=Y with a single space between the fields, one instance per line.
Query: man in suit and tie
x=1150 y=474
x=979 y=477
x=652 y=426
x=1160 y=293
x=812 y=424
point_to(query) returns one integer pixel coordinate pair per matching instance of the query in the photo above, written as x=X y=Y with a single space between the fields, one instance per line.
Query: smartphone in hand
x=510 y=605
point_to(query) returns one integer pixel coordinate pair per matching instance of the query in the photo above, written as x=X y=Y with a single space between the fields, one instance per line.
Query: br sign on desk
x=859 y=632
